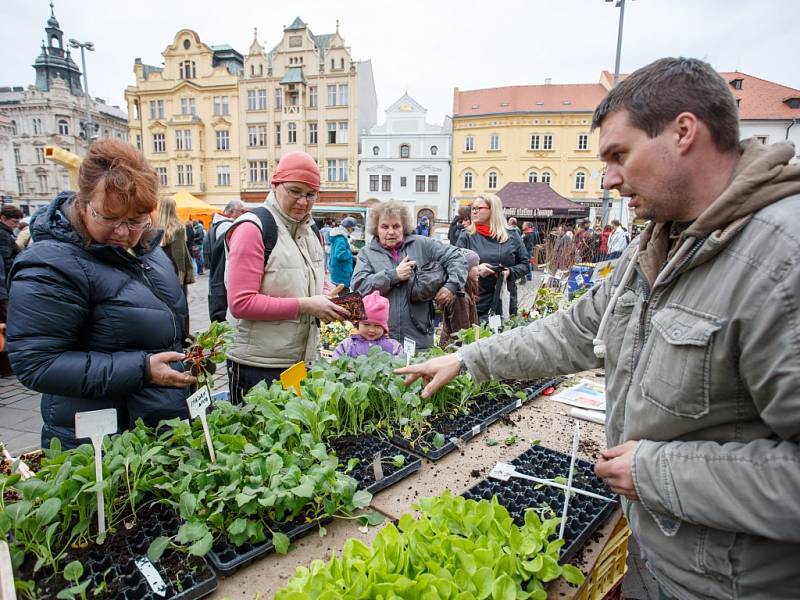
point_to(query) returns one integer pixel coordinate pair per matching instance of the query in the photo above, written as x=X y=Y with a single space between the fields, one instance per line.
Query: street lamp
x=89 y=124
x=620 y=4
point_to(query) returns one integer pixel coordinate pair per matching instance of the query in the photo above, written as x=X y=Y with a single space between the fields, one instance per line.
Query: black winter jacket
x=83 y=322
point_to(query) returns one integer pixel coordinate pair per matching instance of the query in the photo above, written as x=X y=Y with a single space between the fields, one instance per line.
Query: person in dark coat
x=95 y=311
x=10 y=217
x=500 y=249
x=458 y=224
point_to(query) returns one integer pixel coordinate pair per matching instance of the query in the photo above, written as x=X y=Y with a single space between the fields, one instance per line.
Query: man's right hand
x=436 y=373
x=405 y=269
x=322 y=308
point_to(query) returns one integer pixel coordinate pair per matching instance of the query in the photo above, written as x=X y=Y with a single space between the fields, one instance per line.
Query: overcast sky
x=427 y=47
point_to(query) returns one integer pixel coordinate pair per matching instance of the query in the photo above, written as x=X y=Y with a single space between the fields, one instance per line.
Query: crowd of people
x=696 y=328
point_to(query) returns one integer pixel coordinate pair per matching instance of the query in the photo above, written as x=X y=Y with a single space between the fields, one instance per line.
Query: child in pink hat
x=372 y=331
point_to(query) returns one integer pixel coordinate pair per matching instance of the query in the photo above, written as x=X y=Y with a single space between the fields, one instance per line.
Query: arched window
x=533 y=177
x=546 y=178
x=341 y=62
x=405 y=151
x=252 y=70
x=42 y=183
x=37 y=126
x=492 y=180
x=434 y=150
x=468 y=180
x=63 y=127
x=375 y=151
x=580 y=181
x=13 y=127
x=261 y=70
x=333 y=64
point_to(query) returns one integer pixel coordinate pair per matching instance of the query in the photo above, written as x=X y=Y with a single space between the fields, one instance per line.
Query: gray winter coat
x=704 y=368
x=377 y=270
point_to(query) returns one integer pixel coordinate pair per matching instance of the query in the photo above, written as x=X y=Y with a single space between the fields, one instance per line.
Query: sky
x=424 y=47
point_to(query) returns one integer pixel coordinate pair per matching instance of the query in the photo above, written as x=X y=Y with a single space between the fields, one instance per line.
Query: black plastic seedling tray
x=112 y=566
x=532 y=388
x=585 y=514
x=461 y=427
x=364 y=448
x=228 y=558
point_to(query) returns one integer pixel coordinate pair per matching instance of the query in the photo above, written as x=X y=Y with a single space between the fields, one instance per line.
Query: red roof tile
x=581 y=97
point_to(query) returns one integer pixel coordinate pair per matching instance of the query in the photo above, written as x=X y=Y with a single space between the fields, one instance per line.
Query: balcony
x=294 y=110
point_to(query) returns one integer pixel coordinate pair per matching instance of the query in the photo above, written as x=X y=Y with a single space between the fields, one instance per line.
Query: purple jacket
x=356 y=345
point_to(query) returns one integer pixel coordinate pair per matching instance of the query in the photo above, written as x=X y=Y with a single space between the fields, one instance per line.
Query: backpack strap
x=269 y=230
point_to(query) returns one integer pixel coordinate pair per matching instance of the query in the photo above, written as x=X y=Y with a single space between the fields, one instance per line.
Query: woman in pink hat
x=274 y=276
x=372 y=331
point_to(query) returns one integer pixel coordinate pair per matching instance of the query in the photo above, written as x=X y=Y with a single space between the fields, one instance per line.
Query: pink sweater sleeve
x=246 y=269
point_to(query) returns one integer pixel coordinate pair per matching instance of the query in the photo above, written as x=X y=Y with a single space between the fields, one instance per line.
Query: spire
x=52 y=21
x=337 y=25
x=255 y=47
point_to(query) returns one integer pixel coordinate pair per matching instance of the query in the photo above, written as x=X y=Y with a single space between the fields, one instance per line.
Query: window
x=312 y=96
x=434 y=150
x=533 y=177
x=341 y=173
x=184 y=174
x=386 y=183
x=187 y=69
x=342 y=170
x=42 y=183
x=17 y=159
x=263 y=170
x=19 y=183
x=223 y=140
x=494 y=142
x=331 y=95
x=153 y=110
x=252 y=169
x=138 y=141
x=187 y=139
x=135 y=107
x=331 y=170
x=63 y=127
x=277 y=134
x=373 y=183
x=469 y=143
x=405 y=150
x=580 y=181
x=548 y=142
x=13 y=127
x=343 y=132
x=223 y=175
x=252 y=135
x=343 y=94
x=37 y=126
x=546 y=178
x=331 y=133
x=291 y=133
x=583 y=141
x=278 y=98
x=251 y=99
x=492 y=180
x=262 y=99
x=433 y=183
x=188 y=106
x=162 y=175
x=159 y=143
x=535 y=142
x=179 y=139
x=312 y=134
x=420 y=187
x=375 y=151
x=221 y=106
x=160 y=106
x=403 y=181
x=737 y=84
x=467 y=180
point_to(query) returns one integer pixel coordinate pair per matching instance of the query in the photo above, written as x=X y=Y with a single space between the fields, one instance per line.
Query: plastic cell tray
x=364 y=448
x=461 y=427
x=585 y=514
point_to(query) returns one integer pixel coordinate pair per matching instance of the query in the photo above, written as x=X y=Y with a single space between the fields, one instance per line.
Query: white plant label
x=198 y=403
x=409 y=349
x=476 y=430
x=519 y=403
x=495 y=322
x=152 y=576
x=377 y=467
x=95 y=425
x=477 y=332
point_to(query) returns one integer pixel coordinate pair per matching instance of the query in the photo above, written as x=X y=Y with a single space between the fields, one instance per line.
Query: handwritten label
x=96 y=424
x=152 y=576
x=377 y=467
x=197 y=403
x=495 y=322
x=409 y=349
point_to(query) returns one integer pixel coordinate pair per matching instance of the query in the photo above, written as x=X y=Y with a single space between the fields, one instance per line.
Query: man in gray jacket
x=699 y=331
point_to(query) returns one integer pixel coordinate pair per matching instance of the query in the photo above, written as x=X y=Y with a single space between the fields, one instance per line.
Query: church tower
x=55 y=62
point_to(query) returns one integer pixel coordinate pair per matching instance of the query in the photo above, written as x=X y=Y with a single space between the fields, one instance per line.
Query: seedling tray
x=228 y=558
x=111 y=566
x=532 y=388
x=461 y=427
x=364 y=447
x=585 y=514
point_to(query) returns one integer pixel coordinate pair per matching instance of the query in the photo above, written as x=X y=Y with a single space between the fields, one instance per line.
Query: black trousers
x=241 y=378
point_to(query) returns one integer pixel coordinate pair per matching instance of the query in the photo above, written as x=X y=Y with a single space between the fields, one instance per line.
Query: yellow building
x=534 y=133
x=215 y=123
x=184 y=116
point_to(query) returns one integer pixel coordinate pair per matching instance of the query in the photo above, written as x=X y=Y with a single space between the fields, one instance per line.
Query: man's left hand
x=615 y=468
x=443 y=296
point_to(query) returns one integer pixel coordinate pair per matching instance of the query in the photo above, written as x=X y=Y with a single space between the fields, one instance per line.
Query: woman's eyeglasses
x=112 y=222
x=478 y=208
x=297 y=194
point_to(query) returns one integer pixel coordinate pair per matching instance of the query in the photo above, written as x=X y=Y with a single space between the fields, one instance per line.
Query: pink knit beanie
x=377 y=309
x=297 y=166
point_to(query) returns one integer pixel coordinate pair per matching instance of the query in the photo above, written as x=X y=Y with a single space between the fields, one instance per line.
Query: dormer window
x=405 y=150
x=187 y=69
x=186 y=44
x=793 y=102
x=375 y=151
x=737 y=84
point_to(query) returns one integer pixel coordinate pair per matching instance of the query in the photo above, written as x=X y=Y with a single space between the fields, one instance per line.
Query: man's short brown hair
x=657 y=93
x=9 y=211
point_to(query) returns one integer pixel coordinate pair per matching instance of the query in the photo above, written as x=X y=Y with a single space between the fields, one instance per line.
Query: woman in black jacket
x=500 y=249
x=95 y=310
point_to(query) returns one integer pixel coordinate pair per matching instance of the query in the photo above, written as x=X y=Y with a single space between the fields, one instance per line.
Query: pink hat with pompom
x=377 y=309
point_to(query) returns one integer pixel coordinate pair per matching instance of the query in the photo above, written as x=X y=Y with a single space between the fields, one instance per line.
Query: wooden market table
x=540 y=419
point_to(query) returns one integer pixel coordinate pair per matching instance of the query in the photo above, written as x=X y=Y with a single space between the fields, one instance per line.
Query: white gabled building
x=407 y=159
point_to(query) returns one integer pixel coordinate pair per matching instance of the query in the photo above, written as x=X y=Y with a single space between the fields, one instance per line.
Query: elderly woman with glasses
x=501 y=251
x=274 y=274
x=96 y=315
